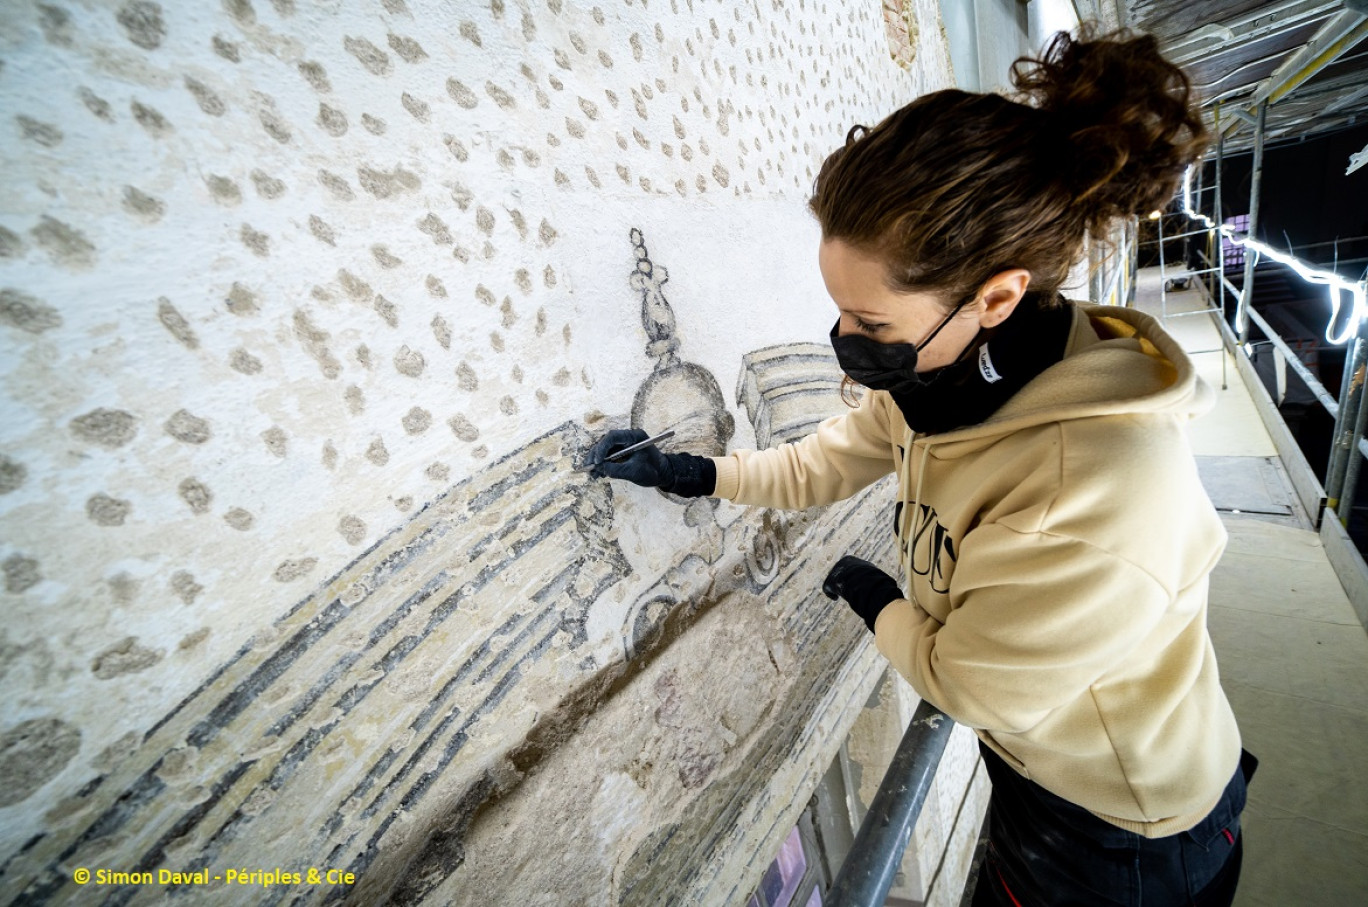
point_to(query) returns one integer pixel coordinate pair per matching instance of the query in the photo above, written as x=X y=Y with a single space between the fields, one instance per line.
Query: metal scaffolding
x=1350 y=409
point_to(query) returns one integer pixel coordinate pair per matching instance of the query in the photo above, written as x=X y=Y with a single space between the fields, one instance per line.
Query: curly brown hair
x=956 y=187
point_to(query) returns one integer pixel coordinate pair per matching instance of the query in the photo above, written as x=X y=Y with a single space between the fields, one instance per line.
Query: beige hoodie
x=1055 y=559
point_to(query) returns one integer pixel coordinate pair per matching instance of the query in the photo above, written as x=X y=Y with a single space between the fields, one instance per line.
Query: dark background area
x=1305 y=196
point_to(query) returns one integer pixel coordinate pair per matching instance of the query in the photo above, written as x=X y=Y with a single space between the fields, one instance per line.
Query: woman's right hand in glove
x=678 y=473
x=647 y=467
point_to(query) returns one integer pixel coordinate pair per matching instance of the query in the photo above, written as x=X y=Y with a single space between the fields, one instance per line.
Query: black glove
x=866 y=588
x=679 y=473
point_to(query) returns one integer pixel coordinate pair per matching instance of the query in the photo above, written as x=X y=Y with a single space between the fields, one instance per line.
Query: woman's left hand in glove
x=866 y=588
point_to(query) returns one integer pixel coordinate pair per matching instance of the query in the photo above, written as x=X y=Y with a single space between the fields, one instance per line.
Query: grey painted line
x=367 y=856
x=425 y=782
x=51 y=878
x=247 y=648
x=148 y=787
x=381 y=765
x=374 y=806
x=350 y=698
x=294 y=758
x=251 y=688
x=155 y=857
x=421 y=750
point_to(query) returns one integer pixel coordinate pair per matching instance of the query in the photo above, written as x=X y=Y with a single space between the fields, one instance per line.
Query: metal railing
x=1289 y=355
x=1351 y=418
x=1216 y=309
x=1341 y=477
x=869 y=869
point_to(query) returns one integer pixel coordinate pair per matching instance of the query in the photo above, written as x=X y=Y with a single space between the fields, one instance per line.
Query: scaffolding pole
x=1348 y=424
x=1163 y=275
x=1247 y=291
x=1218 y=216
x=1132 y=262
x=1218 y=220
x=1353 y=460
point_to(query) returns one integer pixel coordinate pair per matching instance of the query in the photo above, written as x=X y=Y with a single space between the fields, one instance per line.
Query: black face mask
x=971 y=388
x=886 y=366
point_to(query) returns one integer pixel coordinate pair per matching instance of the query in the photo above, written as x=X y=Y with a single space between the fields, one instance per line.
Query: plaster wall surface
x=310 y=310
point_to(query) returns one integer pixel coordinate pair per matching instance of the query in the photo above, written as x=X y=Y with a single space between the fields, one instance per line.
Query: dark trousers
x=1044 y=851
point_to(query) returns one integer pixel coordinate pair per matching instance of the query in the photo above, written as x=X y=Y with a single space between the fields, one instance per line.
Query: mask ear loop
x=964 y=353
x=953 y=312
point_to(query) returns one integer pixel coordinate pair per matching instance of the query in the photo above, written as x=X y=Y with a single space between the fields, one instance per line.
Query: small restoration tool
x=628 y=451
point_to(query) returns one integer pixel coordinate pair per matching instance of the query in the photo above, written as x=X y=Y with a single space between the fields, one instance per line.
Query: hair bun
x=1122 y=116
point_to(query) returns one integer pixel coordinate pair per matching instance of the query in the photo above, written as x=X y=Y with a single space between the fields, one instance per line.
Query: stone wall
x=310 y=310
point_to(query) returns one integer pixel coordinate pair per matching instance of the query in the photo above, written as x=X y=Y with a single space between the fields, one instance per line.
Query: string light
x=1338 y=286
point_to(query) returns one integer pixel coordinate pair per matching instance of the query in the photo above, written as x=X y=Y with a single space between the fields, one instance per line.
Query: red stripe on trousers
x=1005 y=888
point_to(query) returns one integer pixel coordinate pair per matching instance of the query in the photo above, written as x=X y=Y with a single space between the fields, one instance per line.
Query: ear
x=1000 y=295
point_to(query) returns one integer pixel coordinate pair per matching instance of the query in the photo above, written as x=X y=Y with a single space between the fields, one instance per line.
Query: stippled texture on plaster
x=287 y=288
